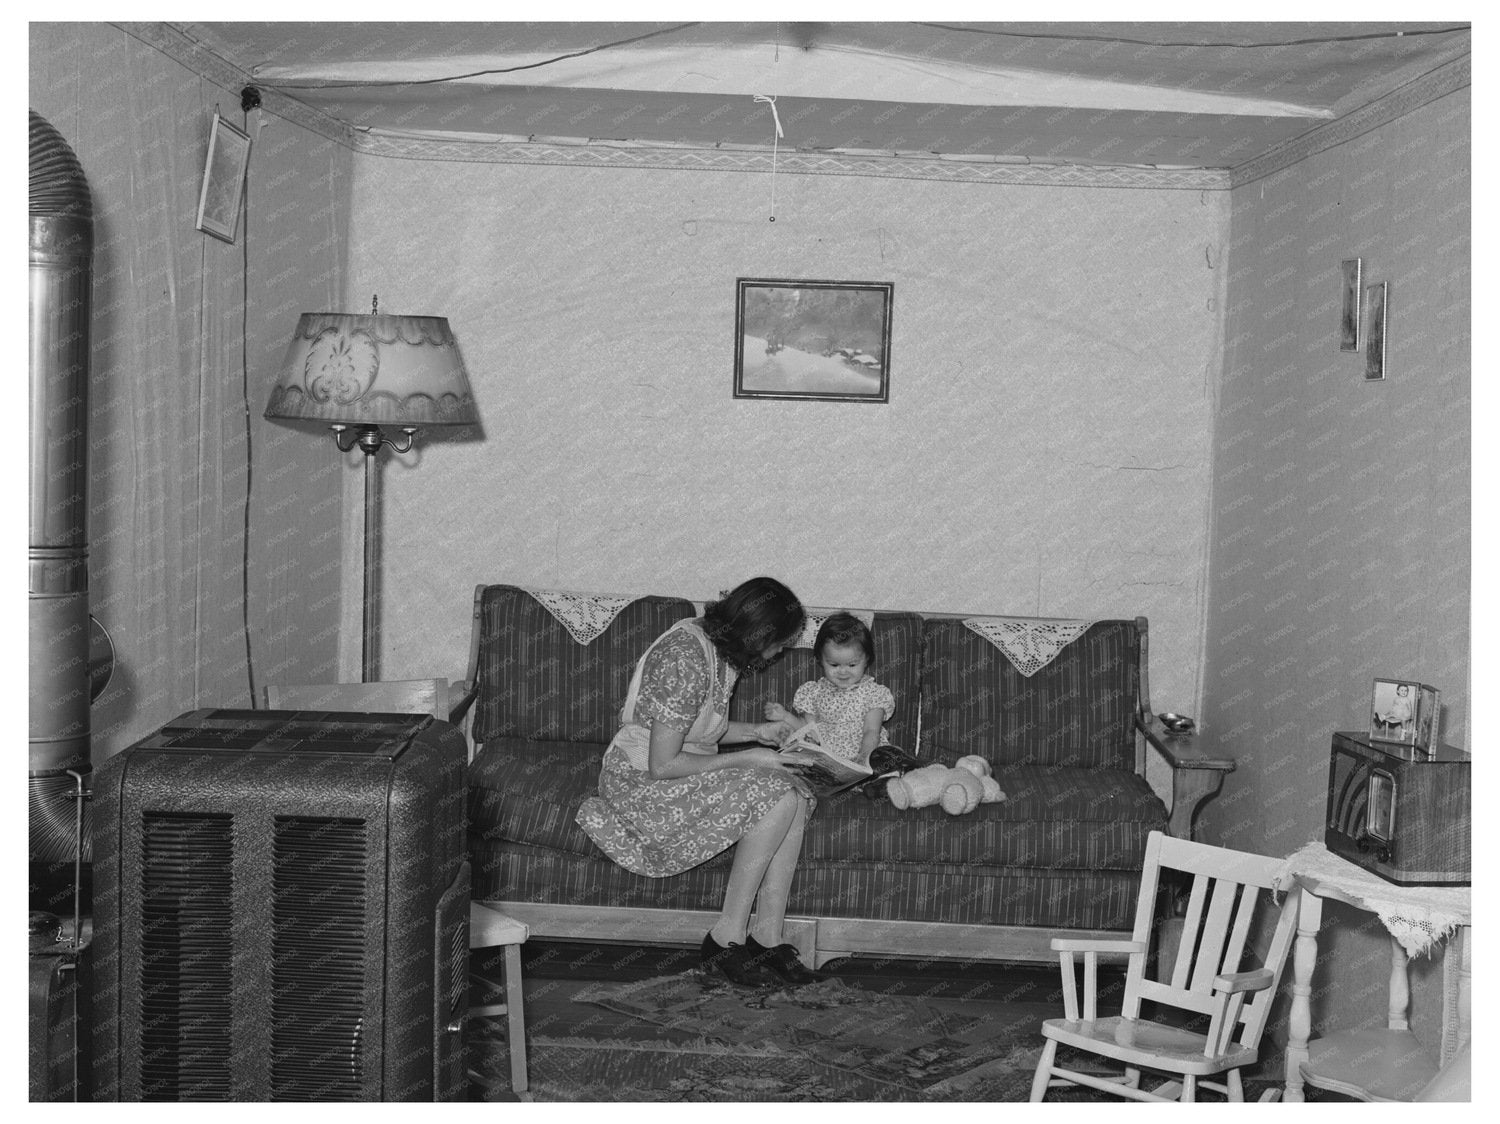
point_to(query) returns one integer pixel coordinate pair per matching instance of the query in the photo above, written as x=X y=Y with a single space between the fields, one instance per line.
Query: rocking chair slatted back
x=1208 y=975
x=1225 y=891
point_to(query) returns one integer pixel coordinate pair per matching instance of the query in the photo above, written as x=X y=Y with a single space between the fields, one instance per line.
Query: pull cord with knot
x=776 y=119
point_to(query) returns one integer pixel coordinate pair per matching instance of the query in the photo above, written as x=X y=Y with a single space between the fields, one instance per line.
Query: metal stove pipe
x=61 y=279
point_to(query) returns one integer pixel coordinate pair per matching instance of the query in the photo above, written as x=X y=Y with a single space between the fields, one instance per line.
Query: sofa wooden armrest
x=461 y=697
x=1197 y=774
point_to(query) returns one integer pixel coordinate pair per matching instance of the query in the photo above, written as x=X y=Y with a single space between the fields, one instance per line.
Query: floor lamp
x=364 y=374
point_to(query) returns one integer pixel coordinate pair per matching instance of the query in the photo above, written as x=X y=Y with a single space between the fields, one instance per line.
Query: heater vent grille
x=319 y=919
x=458 y=968
x=186 y=957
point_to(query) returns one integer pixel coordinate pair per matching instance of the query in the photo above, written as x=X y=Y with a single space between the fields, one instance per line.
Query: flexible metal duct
x=61 y=278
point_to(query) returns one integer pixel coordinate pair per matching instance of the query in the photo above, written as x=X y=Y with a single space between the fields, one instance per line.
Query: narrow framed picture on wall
x=1350 y=305
x=223 y=180
x=1375 y=331
x=827 y=340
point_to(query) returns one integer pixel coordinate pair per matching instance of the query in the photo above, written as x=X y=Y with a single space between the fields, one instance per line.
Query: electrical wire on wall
x=249 y=100
x=359 y=85
x=1080 y=37
x=809 y=32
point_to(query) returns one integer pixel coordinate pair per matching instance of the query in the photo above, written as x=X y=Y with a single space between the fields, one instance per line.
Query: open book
x=823 y=772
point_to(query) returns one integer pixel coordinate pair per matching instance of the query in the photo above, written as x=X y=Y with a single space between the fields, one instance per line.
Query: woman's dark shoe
x=737 y=963
x=783 y=960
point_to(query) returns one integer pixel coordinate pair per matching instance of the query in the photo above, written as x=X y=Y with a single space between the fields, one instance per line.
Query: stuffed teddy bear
x=959 y=789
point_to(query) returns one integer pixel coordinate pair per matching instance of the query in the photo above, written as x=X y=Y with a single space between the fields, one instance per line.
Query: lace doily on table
x=1422 y=918
x=1030 y=645
x=584 y=615
x=815 y=622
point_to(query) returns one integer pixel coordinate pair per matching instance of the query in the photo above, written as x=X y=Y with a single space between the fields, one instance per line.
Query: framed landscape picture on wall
x=827 y=340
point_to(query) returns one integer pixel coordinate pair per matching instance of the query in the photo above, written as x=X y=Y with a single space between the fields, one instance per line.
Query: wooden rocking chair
x=1207 y=979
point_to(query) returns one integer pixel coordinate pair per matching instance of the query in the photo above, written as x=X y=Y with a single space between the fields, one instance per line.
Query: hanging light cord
x=775 y=140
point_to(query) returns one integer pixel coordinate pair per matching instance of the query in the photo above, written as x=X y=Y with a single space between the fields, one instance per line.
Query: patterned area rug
x=689 y=1037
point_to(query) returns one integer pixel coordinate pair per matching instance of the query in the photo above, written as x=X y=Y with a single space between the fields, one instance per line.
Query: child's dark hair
x=844 y=628
x=753 y=616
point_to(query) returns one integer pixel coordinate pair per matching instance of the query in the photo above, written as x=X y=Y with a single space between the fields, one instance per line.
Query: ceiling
x=1163 y=95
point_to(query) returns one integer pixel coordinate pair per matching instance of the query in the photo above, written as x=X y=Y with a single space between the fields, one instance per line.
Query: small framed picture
x=1405 y=713
x=223 y=180
x=1375 y=309
x=1350 y=305
x=813 y=339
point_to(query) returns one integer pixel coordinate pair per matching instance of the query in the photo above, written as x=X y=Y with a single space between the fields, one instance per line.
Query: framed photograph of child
x=827 y=340
x=223 y=180
x=1405 y=713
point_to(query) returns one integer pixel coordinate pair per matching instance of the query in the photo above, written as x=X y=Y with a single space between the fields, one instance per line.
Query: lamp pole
x=356 y=374
x=370 y=438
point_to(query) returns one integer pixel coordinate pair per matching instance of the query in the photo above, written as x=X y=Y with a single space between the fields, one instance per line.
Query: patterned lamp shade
x=373 y=369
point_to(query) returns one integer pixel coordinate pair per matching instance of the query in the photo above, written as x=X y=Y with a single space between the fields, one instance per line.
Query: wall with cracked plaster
x=1045 y=450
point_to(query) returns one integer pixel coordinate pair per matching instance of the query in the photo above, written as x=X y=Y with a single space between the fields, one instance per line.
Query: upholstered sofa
x=1068 y=743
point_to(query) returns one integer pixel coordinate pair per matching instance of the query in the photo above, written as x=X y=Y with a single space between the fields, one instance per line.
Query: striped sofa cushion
x=1079 y=710
x=1053 y=818
x=523 y=791
x=898 y=650
x=536 y=681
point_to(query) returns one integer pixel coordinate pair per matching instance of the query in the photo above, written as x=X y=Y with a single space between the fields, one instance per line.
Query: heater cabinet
x=281 y=910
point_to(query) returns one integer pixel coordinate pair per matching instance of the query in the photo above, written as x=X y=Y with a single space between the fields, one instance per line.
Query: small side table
x=1374 y=1065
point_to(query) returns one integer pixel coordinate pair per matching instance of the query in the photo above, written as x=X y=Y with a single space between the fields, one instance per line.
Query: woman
x=668 y=801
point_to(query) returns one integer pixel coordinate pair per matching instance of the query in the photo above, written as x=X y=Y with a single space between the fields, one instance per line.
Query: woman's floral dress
x=660 y=827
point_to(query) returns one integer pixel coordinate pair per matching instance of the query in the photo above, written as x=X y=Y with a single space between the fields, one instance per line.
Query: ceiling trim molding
x=1436 y=83
x=170 y=41
x=1446 y=79
x=602 y=155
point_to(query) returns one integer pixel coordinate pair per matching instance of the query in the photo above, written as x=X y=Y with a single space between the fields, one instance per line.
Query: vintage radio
x=1399 y=813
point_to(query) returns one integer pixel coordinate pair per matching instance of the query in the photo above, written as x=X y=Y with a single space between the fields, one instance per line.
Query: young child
x=1399 y=712
x=849 y=707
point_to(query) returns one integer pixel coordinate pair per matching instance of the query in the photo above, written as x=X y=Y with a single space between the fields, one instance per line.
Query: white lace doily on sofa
x=815 y=621
x=1421 y=918
x=584 y=615
x=1030 y=645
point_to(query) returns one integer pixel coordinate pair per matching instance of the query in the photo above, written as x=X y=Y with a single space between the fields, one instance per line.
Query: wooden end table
x=1380 y=1064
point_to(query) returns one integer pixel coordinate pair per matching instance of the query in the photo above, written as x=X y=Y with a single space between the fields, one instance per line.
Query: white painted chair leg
x=1043 y=1070
x=1189 y=1089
